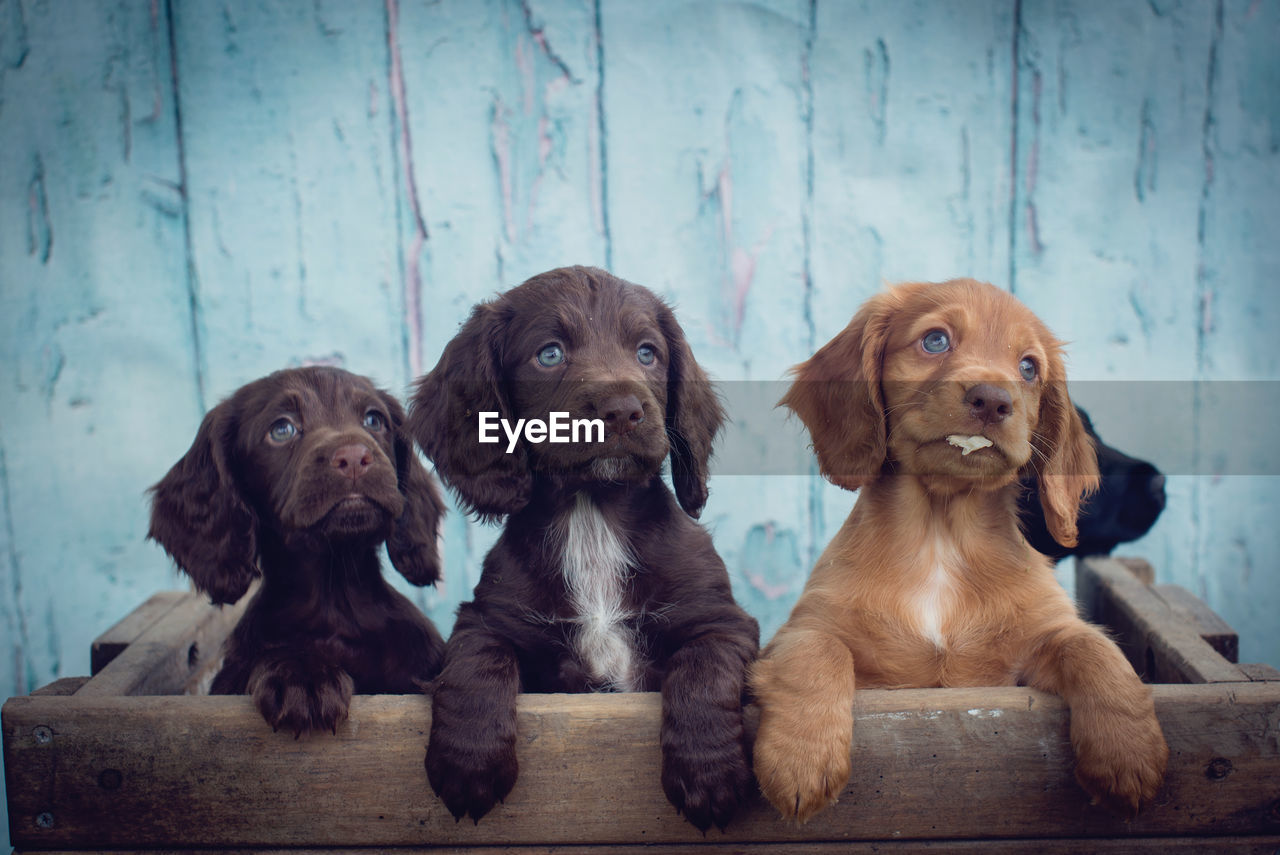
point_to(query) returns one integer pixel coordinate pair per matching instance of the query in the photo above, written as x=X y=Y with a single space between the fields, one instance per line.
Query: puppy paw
x=801 y=773
x=1120 y=760
x=706 y=780
x=470 y=772
x=300 y=700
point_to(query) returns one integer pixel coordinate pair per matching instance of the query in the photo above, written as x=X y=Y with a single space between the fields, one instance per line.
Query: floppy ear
x=837 y=394
x=444 y=419
x=200 y=517
x=414 y=544
x=1066 y=464
x=694 y=416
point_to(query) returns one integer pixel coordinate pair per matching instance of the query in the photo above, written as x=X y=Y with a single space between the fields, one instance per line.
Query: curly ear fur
x=1067 y=465
x=200 y=517
x=443 y=418
x=414 y=544
x=837 y=394
x=694 y=417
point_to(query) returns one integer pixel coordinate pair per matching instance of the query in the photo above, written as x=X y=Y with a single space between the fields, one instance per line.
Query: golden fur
x=930 y=582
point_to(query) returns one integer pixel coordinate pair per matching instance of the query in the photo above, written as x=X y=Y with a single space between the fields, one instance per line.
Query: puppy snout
x=621 y=414
x=989 y=404
x=352 y=460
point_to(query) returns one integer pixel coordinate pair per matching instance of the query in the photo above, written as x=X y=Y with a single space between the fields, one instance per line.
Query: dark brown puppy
x=299 y=477
x=599 y=582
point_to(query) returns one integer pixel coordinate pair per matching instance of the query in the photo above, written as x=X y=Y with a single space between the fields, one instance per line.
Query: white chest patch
x=595 y=565
x=935 y=596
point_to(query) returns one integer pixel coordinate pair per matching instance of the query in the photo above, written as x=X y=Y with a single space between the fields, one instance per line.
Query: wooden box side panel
x=1162 y=642
x=170 y=645
x=929 y=765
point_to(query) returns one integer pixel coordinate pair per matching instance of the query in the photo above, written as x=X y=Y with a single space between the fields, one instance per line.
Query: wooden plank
x=164 y=659
x=1161 y=644
x=124 y=632
x=291 y=216
x=62 y=687
x=930 y=764
x=721 y=230
x=1216 y=632
x=1260 y=671
x=1263 y=845
x=1236 y=272
x=94 y=326
x=1140 y=567
x=497 y=100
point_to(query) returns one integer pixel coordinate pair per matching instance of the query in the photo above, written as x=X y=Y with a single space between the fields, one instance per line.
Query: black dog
x=299 y=477
x=600 y=581
x=1125 y=507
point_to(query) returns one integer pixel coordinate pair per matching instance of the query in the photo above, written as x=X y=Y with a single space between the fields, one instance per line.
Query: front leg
x=705 y=768
x=803 y=684
x=471 y=758
x=1119 y=747
x=298 y=694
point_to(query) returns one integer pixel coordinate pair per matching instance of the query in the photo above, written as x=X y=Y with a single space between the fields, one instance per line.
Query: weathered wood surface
x=1213 y=629
x=1161 y=643
x=206 y=772
x=1254 y=845
x=124 y=632
x=174 y=653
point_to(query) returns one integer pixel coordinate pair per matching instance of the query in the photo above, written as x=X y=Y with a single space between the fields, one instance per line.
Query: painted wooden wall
x=193 y=194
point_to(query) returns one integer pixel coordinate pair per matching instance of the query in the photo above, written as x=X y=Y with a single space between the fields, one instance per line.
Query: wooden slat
x=930 y=764
x=1265 y=845
x=172 y=653
x=1260 y=671
x=62 y=687
x=1162 y=645
x=1216 y=632
x=112 y=643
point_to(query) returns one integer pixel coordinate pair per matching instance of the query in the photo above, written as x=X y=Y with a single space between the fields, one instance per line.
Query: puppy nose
x=351 y=460
x=621 y=414
x=989 y=404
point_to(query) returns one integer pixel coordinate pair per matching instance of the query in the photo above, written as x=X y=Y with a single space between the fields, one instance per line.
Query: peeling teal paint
x=194 y=194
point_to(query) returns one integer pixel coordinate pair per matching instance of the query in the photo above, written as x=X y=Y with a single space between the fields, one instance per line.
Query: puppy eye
x=936 y=341
x=646 y=354
x=374 y=421
x=281 y=431
x=551 y=356
x=1027 y=368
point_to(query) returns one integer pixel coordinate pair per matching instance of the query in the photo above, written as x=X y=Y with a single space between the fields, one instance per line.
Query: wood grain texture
x=173 y=655
x=291 y=191
x=1252 y=845
x=1213 y=629
x=500 y=178
x=94 y=323
x=172 y=771
x=186 y=204
x=125 y=631
x=1161 y=642
x=709 y=200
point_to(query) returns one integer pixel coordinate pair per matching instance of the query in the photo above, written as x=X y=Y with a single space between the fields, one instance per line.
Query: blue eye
x=1027 y=368
x=281 y=431
x=936 y=341
x=374 y=421
x=551 y=356
x=646 y=354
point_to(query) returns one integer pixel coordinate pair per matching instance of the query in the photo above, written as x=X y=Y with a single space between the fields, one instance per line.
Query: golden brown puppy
x=934 y=400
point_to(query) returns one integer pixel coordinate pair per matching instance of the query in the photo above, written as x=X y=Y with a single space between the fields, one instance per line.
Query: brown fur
x=930 y=582
x=690 y=640
x=307 y=512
